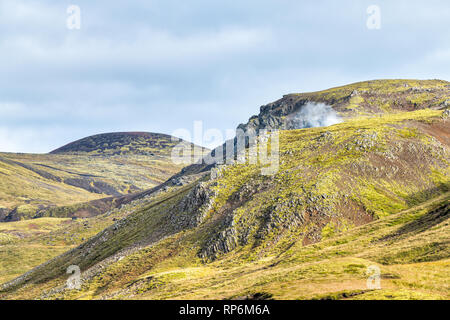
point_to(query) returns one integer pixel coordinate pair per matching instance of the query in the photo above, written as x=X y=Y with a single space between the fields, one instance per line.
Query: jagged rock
x=225 y=242
x=3 y=213
x=364 y=143
x=179 y=181
x=192 y=209
x=272 y=116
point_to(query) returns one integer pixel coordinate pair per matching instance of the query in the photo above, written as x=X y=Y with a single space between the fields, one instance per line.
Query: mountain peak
x=368 y=98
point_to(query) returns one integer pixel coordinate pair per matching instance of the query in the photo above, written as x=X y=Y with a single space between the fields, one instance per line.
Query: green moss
x=407 y=132
x=441 y=178
x=334 y=228
x=378 y=201
x=427 y=252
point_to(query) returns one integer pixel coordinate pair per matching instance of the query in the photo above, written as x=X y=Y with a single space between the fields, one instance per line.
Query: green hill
x=93 y=168
x=121 y=143
x=372 y=190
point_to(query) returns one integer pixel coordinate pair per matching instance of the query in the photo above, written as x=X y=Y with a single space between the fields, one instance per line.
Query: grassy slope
x=410 y=267
x=28 y=243
x=337 y=178
x=18 y=254
x=335 y=268
x=29 y=182
x=124 y=173
x=381 y=96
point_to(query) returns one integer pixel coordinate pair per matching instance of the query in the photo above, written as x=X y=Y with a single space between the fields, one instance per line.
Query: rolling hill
x=370 y=190
x=121 y=143
x=106 y=165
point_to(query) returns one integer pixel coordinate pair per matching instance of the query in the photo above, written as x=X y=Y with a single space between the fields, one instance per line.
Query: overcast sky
x=160 y=65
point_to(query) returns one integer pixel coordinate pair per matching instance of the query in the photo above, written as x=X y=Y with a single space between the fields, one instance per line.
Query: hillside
x=372 y=189
x=362 y=99
x=407 y=247
x=359 y=99
x=133 y=162
x=122 y=143
x=28 y=243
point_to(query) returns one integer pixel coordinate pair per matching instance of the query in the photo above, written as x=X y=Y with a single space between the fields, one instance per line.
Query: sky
x=158 y=66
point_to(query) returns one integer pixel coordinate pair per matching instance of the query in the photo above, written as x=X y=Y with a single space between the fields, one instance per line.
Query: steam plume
x=313 y=115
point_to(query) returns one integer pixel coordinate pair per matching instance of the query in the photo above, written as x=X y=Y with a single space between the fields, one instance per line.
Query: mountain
x=121 y=143
x=356 y=100
x=369 y=191
x=92 y=168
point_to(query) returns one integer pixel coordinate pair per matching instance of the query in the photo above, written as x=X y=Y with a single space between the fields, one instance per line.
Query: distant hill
x=104 y=165
x=121 y=143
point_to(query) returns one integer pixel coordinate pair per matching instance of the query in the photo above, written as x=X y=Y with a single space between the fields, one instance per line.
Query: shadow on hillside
x=425 y=222
x=427 y=194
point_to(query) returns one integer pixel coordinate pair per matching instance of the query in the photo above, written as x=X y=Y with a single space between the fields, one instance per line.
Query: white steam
x=313 y=115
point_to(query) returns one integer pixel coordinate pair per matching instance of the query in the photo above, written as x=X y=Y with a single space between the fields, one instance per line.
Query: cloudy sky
x=160 y=65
